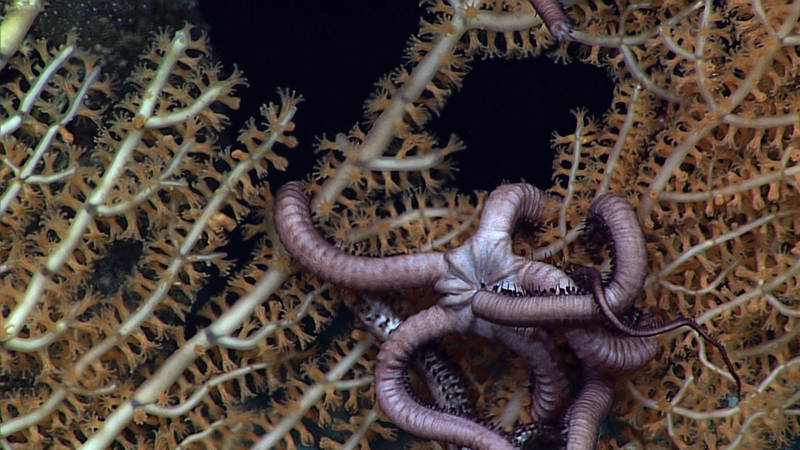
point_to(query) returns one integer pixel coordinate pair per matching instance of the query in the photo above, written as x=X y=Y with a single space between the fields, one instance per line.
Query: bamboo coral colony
x=702 y=139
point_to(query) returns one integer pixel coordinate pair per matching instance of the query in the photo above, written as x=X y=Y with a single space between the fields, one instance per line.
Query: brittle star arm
x=603 y=355
x=445 y=382
x=549 y=384
x=593 y=280
x=613 y=353
x=399 y=405
x=589 y=410
x=553 y=16
x=604 y=350
x=449 y=387
x=297 y=233
x=556 y=301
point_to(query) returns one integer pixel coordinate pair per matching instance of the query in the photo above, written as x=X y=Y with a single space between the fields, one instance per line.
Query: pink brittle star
x=489 y=291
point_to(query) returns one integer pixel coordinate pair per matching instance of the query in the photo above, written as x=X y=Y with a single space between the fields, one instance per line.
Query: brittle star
x=489 y=291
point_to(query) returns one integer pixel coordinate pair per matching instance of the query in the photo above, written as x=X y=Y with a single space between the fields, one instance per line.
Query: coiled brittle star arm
x=555 y=298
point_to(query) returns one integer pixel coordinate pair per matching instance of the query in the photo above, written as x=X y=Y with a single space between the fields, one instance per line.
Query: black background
x=333 y=52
